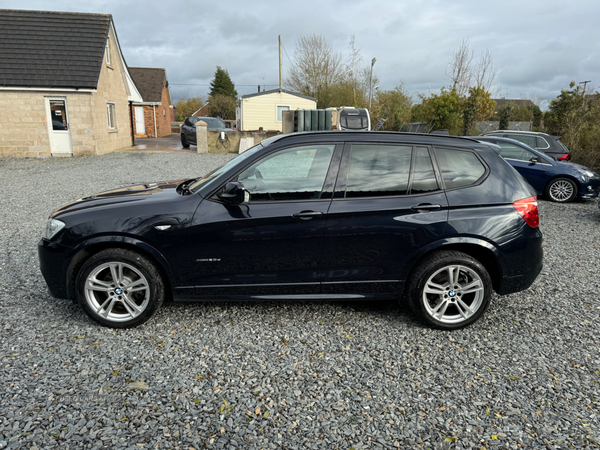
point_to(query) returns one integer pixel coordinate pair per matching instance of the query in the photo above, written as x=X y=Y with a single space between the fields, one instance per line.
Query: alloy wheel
x=453 y=294
x=117 y=291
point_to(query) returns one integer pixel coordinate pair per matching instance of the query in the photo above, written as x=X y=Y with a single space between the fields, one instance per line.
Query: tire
x=448 y=306
x=102 y=288
x=561 y=190
x=184 y=142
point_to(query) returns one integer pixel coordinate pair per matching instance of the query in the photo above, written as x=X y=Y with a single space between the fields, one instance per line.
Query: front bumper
x=54 y=261
x=590 y=189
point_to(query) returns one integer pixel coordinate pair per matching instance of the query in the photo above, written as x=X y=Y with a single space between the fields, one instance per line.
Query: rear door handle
x=307 y=215
x=426 y=207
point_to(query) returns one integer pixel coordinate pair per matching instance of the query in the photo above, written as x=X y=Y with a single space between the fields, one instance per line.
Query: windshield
x=215 y=173
x=213 y=123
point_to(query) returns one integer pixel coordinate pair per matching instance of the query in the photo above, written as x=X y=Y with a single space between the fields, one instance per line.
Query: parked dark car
x=188 y=129
x=546 y=143
x=440 y=220
x=556 y=180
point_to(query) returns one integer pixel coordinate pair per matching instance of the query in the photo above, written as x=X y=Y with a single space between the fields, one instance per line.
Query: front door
x=58 y=126
x=140 y=127
x=269 y=246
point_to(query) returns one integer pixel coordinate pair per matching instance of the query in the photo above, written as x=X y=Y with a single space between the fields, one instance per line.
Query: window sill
x=113 y=131
x=108 y=66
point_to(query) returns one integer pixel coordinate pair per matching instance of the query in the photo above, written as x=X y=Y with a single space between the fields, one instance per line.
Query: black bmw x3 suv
x=438 y=221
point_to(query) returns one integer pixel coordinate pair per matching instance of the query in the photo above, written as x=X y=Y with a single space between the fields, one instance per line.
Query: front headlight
x=52 y=227
x=588 y=173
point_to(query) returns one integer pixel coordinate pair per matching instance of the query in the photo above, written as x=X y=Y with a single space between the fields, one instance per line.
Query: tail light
x=565 y=157
x=528 y=208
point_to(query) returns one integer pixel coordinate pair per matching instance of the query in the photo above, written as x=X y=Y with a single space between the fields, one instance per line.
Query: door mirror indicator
x=233 y=192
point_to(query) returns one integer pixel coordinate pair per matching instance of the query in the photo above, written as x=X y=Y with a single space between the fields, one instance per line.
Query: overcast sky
x=537 y=47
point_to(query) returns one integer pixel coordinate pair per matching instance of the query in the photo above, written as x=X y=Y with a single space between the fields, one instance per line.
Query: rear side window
x=423 y=180
x=378 y=170
x=541 y=143
x=459 y=167
x=528 y=140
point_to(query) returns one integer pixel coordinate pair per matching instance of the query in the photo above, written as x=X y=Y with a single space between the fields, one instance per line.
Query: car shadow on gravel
x=383 y=310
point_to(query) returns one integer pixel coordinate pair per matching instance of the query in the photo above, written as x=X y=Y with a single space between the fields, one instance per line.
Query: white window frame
x=111 y=118
x=289 y=108
x=107 y=51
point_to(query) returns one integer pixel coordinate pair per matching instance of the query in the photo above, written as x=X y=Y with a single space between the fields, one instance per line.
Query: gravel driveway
x=276 y=375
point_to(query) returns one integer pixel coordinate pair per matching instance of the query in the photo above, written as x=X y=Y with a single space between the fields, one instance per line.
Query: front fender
x=89 y=246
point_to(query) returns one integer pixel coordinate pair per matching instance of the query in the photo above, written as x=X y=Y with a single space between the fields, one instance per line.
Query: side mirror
x=233 y=192
x=534 y=160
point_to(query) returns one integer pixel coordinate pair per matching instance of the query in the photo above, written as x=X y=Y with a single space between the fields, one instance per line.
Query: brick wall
x=163 y=118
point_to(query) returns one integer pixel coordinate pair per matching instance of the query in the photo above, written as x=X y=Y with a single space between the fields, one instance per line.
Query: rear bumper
x=53 y=265
x=525 y=267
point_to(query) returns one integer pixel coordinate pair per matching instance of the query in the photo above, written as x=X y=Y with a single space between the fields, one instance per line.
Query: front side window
x=378 y=170
x=459 y=167
x=110 y=109
x=296 y=173
x=280 y=110
x=510 y=151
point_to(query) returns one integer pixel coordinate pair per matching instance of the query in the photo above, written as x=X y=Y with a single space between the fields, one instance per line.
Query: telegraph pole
x=371 y=83
x=280 y=80
x=585 y=84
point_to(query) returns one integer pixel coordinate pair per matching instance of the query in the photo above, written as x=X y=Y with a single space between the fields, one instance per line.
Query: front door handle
x=426 y=207
x=307 y=215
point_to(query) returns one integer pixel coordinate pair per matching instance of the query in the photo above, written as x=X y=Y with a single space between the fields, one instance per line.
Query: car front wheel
x=119 y=288
x=561 y=190
x=184 y=142
x=449 y=290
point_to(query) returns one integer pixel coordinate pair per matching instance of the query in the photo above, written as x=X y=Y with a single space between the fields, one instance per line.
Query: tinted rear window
x=378 y=170
x=459 y=167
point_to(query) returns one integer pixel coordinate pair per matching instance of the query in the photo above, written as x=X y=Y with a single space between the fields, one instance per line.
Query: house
x=502 y=102
x=65 y=88
x=264 y=109
x=153 y=115
x=203 y=112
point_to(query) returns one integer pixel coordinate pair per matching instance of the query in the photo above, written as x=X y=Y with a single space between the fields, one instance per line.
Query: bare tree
x=534 y=97
x=463 y=75
x=315 y=69
x=459 y=70
x=353 y=66
x=485 y=73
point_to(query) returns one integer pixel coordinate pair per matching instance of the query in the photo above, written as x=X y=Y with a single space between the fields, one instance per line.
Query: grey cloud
x=535 y=47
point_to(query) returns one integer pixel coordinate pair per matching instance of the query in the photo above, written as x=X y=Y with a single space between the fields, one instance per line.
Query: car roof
x=380 y=136
x=519 y=132
x=511 y=141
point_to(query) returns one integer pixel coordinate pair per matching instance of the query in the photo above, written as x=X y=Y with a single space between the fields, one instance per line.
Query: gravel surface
x=275 y=375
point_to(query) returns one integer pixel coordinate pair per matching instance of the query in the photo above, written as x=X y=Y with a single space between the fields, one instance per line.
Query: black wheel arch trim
x=469 y=245
x=85 y=249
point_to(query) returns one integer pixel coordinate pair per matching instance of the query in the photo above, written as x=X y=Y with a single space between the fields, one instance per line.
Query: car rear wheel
x=184 y=142
x=449 y=290
x=119 y=288
x=561 y=190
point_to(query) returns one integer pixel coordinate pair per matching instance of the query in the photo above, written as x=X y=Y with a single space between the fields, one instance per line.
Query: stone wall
x=24 y=128
x=231 y=143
